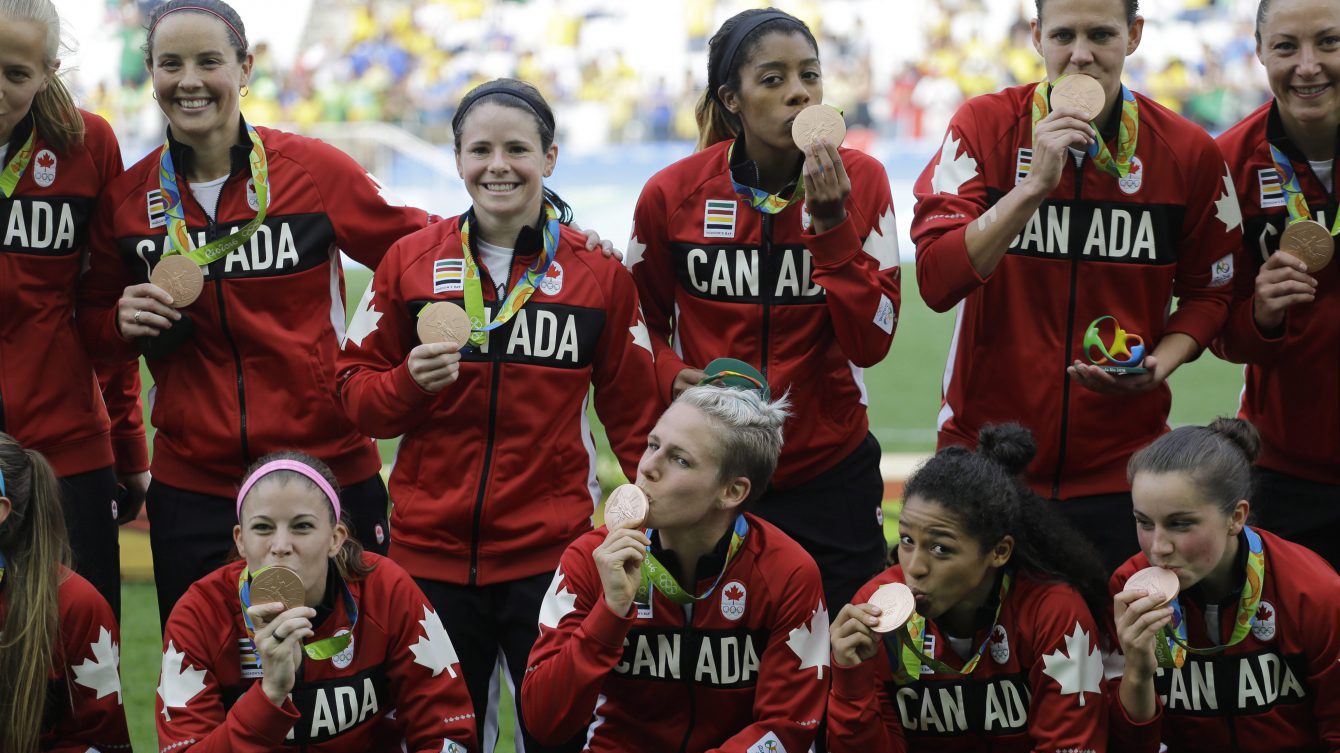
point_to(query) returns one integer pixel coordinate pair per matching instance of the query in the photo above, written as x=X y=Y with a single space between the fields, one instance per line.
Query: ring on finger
x=136 y=317
x=280 y=638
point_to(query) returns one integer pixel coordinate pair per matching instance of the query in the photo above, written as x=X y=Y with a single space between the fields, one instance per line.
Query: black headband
x=737 y=37
x=530 y=100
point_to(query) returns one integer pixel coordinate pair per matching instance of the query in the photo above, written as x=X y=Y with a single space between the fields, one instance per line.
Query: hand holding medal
x=443 y=328
x=818 y=131
x=853 y=634
x=272 y=600
x=1141 y=611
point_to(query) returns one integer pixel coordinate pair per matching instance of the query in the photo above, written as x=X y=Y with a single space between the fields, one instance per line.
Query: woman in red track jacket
x=360 y=663
x=495 y=475
x=737 y=662
x=254 y=369
x=60 y=654
x=56 y=161
x=1285 y=321
x=1032 y=228
x=788 y=260
x=1246 y=658
x=1002 y=653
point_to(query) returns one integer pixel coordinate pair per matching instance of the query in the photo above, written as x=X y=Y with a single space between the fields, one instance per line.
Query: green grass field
x=904 y=399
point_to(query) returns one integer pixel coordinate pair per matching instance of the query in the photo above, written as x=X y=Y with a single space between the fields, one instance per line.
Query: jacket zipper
x=494 y=381
x=1069 y=343
x=211 y=231
x=688 y=682
x=765 y=248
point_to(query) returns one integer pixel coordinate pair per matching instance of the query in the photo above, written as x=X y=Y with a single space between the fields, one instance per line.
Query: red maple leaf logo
x=1264 y=613
x=553 y=272
x=998 y=635
x=734 y=592
x=45 y=160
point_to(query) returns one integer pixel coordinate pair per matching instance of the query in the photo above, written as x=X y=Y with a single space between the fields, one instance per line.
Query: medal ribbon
x=1172 y=650
x=317 y=650
x=2 y=557
x=1118 y=167
x=656 y=575
x=762 y=200
x=519 y=294
x=910 y=659
x=177 y=233
x=1296 y=202
x=9 y=179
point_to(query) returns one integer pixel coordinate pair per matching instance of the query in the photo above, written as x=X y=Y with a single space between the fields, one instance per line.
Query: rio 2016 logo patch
x=346 y=657
x=732 y=600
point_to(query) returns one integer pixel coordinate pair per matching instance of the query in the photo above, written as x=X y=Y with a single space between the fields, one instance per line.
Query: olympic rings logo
x=1126 y=349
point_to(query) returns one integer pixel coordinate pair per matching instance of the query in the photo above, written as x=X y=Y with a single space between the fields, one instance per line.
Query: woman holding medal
x=338 y=651
x=56 y=161
x=479 y=340
x=1049 y=207
x=999 y=649
x=1285 y=319
x=785 y=257
x=58 y=637
x=707 y=629
x=1239 y=650
x=223 y=248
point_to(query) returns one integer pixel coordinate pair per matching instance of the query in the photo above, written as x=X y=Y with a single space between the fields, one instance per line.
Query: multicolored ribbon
x=9 y=179
x=519 y=294
x=1127 y=134
x=317 y=650
x=762 y=200
x=1172 y=650
x=2 y=557
x=1295 y=201
x=910 y=659
x=177 y=233
x=656 y=575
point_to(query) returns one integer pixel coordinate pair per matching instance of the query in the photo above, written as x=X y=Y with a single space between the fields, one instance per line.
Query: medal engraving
x=180 y=278
x=818 y=122
x=1081 y=92
x=1310 y=241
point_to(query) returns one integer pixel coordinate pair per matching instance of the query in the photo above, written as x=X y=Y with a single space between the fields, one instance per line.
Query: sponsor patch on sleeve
x=1221 y=273
x=885 y=317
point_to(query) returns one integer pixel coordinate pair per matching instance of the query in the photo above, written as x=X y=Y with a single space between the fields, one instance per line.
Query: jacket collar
x=1280 y=139
x=529 y=241
x=708 y=565
x=239 y=153
x=745 y=171
x=19 y=135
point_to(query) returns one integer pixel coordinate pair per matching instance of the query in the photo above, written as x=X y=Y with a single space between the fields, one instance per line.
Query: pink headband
x=240 y=39
x=296 y=467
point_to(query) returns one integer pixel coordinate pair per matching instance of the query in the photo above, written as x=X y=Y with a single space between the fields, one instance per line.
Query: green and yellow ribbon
x=655 y=575
x=1118 y=167
x=520 y=293
x=9 y=179
x=178 y=235
x=909 y=657
x=762 y=200
x=1172 y=649
x=1295 y=201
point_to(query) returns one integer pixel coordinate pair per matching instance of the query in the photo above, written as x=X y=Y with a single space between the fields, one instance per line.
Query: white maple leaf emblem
x=633 y=254
x=1078 y=669
x=434 y=649
x=557 y=604
x=365 y=319
x=882 y=243
x=99 y=673
x=384 y=192
x=954 y=169
x=810 y=642
x=640 y=336
x=180 y=682
x=1227 y=207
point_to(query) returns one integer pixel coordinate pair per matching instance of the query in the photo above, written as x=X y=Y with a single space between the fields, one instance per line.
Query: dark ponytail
x=983 y=490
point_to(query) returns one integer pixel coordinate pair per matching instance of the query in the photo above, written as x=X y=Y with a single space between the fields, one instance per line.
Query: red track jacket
x=50 y=398
x=399 y=682
x=1096 y=247
x=1292 y=394
x=809 y=311
x=745 y=669
x=258 y=375
x=1278 y=691
x=1037 y=689
x=496 y=473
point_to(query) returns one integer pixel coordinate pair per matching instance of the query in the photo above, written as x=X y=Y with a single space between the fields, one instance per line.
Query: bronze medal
x=896 y=605
x=1155 y=580
x=1081 y=92
x=180 y=278
x=818 y=122
x=278 y=584
x=626 y=508
x=444 y=322
x=1310 y=241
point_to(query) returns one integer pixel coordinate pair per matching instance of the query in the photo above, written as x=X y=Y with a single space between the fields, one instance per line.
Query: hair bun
x=1240 y=432
x=1009 y=445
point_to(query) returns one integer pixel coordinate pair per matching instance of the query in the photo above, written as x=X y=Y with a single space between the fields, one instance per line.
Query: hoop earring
x=155 y=95
x=245 y=90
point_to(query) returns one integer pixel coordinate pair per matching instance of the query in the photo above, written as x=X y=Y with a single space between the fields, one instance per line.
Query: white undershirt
x=207 y=194
x=498 y=261
x=1212 y=621
x=4 y=152
x=1323 y=171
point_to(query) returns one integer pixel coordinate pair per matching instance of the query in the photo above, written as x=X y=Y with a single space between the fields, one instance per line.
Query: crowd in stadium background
x=622 y=72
